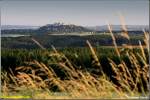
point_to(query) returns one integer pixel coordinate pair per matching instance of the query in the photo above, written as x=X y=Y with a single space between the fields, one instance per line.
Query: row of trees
x=66 y=41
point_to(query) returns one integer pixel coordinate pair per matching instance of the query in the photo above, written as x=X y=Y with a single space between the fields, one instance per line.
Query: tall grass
x=64 y=78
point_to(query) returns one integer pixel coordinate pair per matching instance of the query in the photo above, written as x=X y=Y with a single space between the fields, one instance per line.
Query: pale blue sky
x=80 y=12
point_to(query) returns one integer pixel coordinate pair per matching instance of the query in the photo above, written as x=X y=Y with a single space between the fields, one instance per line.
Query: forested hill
x=61 y=28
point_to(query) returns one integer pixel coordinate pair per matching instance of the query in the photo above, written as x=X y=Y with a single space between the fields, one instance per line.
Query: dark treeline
x=61 y=41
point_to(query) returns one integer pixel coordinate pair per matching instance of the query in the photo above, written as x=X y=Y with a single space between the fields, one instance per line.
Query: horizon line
x=71 y=24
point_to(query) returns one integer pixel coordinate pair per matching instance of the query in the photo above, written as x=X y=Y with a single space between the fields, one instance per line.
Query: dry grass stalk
x=124 y=28
x=4 y=88
x=142 y=59
x=113 y=66
x=68 y=62
x=146 y=39
x=95 y=57
x=37 y=43
x=61 y=55
x=142 y=50
x=93 y=52
x=128 y=72
x=26 y=78
x=54 y=49
x=39 y=81
x=13 y=78
x=114 y=40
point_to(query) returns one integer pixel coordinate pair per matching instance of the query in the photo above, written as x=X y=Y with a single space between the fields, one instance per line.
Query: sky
x=79 y=12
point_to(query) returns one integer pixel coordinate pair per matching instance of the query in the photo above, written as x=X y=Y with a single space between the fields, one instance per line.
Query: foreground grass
x=34 y=93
